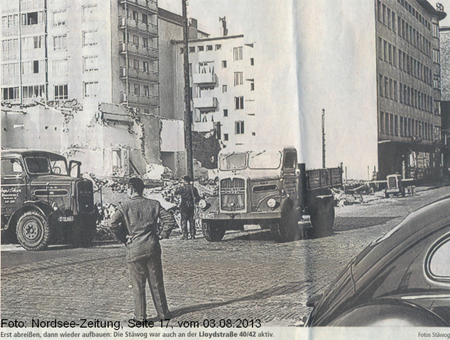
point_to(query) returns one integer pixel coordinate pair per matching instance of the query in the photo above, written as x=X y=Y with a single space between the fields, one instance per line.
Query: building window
x=10 y=49
x=436 y=56
x=144 y=19
x=10 y=70
x=10 y=93
x=91 y=89
x=137 y=89
x=225 y=136
x=239 y=103
x=200 y=48
x=191 y=49
x=60 y=42
x=36 y=66
x=238 y=78
x=59 y=18
x=59 y=68
x=33 y=91
x=225 y=112
x=252 y=61
x=90 y=63
x=218 y=47
x=32 y=18
x=224 y=88
x=209 y=47
x=89 y=38
x=136 y=40
x=145 y=66
x=145 y=42
x=237 y=53
x=252 y=86
x=435 y=30
x=239 y=127
x=135 y=16
x=136 y=64
x=224 y=64
x=61 y=92
x=37 y=41
x=88 y=12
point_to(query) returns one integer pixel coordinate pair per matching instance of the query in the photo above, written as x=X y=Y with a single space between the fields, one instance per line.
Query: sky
x=207 y=12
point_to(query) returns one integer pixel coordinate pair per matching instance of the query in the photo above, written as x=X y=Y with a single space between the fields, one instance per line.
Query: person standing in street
x=189 y=196
x=135 y=224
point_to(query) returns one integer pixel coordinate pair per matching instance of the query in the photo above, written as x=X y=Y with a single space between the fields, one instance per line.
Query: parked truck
x=269 y=188
x=42 y=202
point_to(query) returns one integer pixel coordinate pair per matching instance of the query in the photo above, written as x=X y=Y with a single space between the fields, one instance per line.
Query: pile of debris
x=356 y=192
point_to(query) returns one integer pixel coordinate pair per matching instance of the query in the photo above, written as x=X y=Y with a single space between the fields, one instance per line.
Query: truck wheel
x=83 y=231
x=211 y=232
x=33 y=231
x=287 y=229
x=386 y=194
x=322 y=217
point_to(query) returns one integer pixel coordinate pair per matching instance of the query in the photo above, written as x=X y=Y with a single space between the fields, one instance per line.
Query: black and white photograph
x=202 y=169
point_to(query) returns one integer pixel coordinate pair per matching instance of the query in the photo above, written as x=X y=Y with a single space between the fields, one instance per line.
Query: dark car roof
x=31 y=152
x=418 y=224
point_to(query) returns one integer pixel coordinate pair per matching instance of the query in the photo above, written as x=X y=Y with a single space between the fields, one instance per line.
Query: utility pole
x=323 y=139
x=187 y=96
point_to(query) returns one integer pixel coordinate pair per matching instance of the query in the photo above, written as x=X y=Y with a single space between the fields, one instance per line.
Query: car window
x=438 y=261
x=37 y=165
x=11 y=167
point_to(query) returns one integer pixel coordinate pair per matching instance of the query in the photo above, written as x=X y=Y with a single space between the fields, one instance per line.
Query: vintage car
x=402 y=279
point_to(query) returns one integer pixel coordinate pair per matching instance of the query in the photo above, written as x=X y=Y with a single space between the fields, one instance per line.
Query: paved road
x=246 y=276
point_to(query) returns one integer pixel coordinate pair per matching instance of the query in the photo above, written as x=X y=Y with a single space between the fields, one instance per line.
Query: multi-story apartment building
x=223 y=88
x=445 y=97
x=91 y=51
x=408 y=67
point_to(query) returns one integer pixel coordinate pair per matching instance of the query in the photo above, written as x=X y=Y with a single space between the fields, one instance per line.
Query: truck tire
x=83 y=231
x=33 y=231
x=322 y=217
x=287 y=229
x=213 y=232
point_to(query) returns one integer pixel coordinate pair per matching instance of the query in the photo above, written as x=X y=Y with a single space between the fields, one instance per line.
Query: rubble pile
x=355 y=192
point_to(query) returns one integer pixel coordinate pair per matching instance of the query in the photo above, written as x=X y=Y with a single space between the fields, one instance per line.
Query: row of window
x=141 y=90
x=138 y=17
x=404 y=62
x=90 y=89
x=136 y=65
x=415 y=13
x=202 y=48
x=399 y=92
x=397 y=24
x=59 y=17
x=398 y=126
x=137 y=40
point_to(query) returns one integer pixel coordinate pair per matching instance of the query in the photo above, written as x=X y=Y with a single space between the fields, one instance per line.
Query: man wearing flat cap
x=135 y=223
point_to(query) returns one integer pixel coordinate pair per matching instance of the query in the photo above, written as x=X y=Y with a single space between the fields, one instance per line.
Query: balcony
x=205 y=79
x=139 y=26
x=148 y=5
x=203 y=126
x=140 y=100
x=33 y=29
x=140 y=75
x=148 y=52
x=206 y=104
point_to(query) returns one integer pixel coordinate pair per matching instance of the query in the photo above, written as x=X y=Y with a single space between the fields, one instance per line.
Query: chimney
x=224 y=26
x=193 y=29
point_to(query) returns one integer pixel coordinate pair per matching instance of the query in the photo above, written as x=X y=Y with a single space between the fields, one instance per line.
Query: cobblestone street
x=246 y=276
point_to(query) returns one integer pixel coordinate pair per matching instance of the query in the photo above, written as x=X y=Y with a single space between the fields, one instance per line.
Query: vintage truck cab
x=42 y=202
x=266 y=187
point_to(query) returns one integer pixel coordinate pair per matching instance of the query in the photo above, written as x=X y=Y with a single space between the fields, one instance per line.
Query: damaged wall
x=205 y=149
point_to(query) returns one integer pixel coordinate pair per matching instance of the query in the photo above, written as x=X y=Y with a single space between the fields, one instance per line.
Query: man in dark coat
x=136 y=223
x=189 y=196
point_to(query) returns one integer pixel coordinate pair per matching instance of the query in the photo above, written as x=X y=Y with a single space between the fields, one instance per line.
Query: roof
x=440 y=14
x=210 y=39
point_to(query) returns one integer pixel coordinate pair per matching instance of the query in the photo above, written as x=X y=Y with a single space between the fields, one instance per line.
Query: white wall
x=336 y=68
